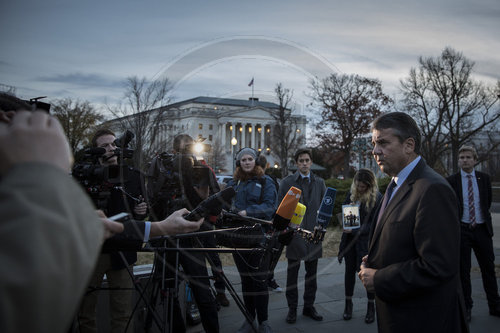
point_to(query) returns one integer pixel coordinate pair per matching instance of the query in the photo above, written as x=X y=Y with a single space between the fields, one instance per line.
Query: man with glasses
x=313 y=188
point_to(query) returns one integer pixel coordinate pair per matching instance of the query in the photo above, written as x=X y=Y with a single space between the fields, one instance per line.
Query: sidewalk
x=330 y=301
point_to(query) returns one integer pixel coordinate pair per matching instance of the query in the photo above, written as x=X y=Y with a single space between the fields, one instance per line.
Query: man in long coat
x=313 y=188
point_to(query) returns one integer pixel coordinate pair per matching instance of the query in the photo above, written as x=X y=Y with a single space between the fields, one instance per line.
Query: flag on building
x=251 y=83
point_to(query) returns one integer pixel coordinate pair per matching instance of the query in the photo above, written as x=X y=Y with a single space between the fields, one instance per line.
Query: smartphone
x=121 y=217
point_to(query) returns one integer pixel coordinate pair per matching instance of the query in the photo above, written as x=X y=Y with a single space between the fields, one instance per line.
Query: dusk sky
x=86 y=49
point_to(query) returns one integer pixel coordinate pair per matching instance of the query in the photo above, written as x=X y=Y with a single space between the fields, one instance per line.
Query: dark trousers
x=254 y=269
x=210 y=242
x=276 y=251
x=310 y=283
x=351 y=268
x=195 y=268
x=479 y=240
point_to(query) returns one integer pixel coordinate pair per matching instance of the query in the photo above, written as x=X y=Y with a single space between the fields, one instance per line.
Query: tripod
x=164 y=272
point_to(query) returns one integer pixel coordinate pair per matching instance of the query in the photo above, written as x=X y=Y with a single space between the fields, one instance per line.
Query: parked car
x=223 y=179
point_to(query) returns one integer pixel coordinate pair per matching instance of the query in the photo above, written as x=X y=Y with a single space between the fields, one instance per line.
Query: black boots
x=348 y=309
x=370 y=313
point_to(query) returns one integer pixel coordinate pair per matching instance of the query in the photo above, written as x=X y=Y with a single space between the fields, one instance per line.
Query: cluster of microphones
x=286 y=220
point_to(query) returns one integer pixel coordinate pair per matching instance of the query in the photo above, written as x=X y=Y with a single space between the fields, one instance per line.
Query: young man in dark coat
x=313 y=188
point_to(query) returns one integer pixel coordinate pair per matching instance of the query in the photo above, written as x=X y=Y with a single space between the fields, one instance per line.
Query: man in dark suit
x=473 y=188
x=412 y=264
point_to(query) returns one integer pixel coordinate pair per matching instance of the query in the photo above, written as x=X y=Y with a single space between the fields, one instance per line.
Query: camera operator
x=192 y=189
x=184 y=144
x=116 y=265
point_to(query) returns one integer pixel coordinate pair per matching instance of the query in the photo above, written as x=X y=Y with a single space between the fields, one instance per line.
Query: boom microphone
x=325 y=211
x=212 y=205
x=286 y=209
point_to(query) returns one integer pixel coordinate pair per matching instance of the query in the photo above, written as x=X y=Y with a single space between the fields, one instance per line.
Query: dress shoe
x=348 y=309
x=310 y=311
x=370 y=313
x=495 y=310
x=291 y=316
x=468 y=314
x=222 y=299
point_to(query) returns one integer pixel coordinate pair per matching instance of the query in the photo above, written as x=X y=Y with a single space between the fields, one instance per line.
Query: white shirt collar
x=403 y=174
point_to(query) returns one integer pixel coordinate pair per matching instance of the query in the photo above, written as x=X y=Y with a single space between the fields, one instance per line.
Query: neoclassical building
x=226 y=124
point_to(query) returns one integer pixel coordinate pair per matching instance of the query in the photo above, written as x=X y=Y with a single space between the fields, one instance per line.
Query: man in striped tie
x=473 y=188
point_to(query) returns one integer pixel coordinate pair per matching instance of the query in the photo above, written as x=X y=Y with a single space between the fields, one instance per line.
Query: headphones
x=237 y=161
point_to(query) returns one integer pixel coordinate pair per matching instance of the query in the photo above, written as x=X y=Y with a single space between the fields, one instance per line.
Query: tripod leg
x=232 y=292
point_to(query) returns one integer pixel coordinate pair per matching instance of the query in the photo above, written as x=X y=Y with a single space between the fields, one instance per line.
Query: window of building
x=210 y=127
x=200 y=126
x=210 y=137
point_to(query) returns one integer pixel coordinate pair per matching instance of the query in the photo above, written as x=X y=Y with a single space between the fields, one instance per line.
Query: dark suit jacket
x=485 y=195
x=416 y=249
x=130 y=239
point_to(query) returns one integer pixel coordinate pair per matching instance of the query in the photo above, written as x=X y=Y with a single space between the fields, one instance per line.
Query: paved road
x=330 y=301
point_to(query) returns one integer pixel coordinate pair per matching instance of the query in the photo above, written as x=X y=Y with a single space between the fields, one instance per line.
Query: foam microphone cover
x=212 y=205
x=286 y=208
x=96 y=151
x=325 y=211
x=298 y=216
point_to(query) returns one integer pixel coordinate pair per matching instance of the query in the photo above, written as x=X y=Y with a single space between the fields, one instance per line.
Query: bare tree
x=348 y=105
x=217 y=157
x=143 y=115
x=78 y=119
x=285 y=136
x=450 y=107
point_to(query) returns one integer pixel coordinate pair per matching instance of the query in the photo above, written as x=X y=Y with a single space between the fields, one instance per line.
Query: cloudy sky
x=85 y=49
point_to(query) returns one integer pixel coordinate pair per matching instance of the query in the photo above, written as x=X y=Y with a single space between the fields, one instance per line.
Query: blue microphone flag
x=325 y=211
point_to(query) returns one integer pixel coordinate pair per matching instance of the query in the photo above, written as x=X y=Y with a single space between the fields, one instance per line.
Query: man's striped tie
x=472 y=210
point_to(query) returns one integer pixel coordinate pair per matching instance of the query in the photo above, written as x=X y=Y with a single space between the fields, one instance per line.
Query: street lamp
x=234 y=142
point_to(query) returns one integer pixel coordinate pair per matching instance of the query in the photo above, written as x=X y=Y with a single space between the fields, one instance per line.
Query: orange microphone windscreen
x=286 y=208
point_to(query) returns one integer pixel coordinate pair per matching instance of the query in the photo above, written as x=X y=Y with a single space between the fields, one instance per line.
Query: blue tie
x=387 y=197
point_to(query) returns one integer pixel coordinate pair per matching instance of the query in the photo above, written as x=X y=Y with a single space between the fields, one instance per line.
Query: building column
x=262 y=142
x=233 y=134
x=253 y=143
x=222 y=135
x=243 y=135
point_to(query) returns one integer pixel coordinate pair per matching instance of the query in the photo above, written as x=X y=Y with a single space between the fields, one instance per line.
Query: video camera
x=171 y=182
x=97 y=179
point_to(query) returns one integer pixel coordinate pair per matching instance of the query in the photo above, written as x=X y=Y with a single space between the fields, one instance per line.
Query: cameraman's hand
x=174 y=224
x=33 y=137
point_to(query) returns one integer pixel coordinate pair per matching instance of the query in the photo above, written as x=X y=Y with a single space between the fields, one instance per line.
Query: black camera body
x=171 y=182
x=98 y=180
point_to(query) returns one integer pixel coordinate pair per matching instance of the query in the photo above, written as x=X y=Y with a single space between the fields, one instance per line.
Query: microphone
x=212 y=205
x=298 y=216
x=325 y=211
x=96 y=151
x=286 y=209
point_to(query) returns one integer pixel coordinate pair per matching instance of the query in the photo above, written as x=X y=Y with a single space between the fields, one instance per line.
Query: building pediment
x=251 y=113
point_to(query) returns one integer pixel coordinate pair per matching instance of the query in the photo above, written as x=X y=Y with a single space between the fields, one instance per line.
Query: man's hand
x=33 y=137
x=110 y=227
x=366 y=275
x=141 y=208
x=175 y=224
